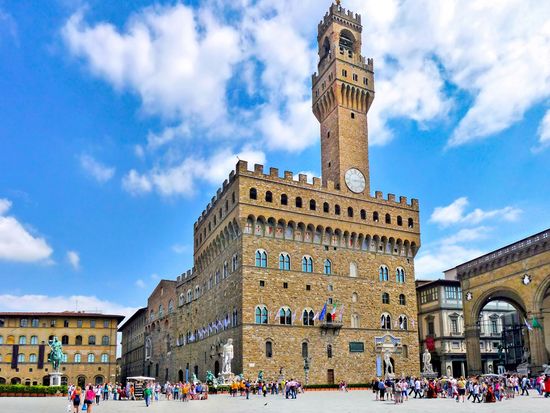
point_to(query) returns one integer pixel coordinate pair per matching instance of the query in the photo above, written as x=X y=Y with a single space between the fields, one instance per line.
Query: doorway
x=330 y=376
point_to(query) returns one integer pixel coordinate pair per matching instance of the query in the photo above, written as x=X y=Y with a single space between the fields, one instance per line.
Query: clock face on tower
x=355 y=180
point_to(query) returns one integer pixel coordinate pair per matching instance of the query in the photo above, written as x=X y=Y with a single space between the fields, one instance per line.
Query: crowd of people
x=480 y=389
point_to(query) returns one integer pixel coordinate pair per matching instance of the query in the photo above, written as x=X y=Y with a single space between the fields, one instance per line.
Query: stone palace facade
x=271 y=252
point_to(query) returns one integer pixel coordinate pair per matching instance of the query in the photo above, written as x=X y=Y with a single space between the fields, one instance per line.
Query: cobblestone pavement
x=354 y=401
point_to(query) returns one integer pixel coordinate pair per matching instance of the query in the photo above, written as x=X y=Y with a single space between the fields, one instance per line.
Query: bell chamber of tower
x=342 y=93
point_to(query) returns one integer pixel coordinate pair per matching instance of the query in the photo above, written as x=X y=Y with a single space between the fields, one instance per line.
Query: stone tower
x=343 y=90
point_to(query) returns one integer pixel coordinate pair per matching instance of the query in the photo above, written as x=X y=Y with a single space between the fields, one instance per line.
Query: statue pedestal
x=55 y=378
x=228 y=377
x=390 y=376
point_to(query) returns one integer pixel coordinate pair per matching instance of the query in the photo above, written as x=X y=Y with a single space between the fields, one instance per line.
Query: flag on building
x=316 y=316
x=323 y=312
x=536 y=323
x=341 y=314
x=333 y=312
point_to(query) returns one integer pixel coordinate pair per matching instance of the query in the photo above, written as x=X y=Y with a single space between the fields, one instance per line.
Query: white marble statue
x=227 y=356
x=427 y=361
x=387 y=360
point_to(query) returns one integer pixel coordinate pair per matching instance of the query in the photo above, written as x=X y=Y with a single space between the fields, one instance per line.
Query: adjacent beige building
x=132 y=360
x=88 y=339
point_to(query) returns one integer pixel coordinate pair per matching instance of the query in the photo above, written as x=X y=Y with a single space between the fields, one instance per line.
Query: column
x=473 y=354
x=536 y=344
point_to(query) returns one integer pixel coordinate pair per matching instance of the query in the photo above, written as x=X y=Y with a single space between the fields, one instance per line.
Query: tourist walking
x=75 y=397
x=89 y=398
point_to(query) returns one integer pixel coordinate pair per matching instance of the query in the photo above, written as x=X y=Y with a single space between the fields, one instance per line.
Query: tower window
x=328 y=135
x=253 y=193
x=363 y=214
x=399 y=221
x=355 y=77
x=388 y=219
x=329 y=164
x=284 y=199
x=298 y=202
x=312 y=205
x=385 y=298
x=344 y=73
x=350 y=212
x=337 y=209
x=411 y=223
x=268 y=196
x=365 y=81
x=352 y=115
x=325 y=207
x=375 y=216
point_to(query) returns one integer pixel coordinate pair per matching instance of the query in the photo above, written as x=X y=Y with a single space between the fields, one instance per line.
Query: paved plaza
x=354 y=401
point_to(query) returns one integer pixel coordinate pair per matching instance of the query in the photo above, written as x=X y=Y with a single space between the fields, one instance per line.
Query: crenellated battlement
x=341 y=15
x=186 y=276
x=288 y=177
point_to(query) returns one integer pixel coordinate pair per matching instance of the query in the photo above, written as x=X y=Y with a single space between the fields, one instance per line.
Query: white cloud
x=74 y=259
x=544 y=132
x=310 y=175
x=467 y=235
x=5 y=205
x=431 y=262
x=178 y=61
x=95 y=169
x=140 y=283
x=185 y=64
x=17 y=243
x=8 y=24
x=40 y=302
x=180 y=248
x=183 y=178
x=456 y=213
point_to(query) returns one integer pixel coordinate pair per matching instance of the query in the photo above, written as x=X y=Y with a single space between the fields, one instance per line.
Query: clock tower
x=343 y=91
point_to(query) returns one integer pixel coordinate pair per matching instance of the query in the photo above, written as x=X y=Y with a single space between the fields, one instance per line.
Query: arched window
x=305 y=350
x=298 y=202
x=285 y=316
x=363 y=214
x=337 y=209
x=400 y=275
x=91 y=340
x=268 y=349
x=77 y=358
x=161 y=311
x=355 y=321
x=410 y=223
x=268 y=196
x=284 y=199
x=261 y=259
x=91 y=358
x=352 y=269
x=308 y=317
x=181 y=300
x=225 y=272
x=284 y=261
x=261 y=314
x=354 y=297
x=388 y=219
x=21 y=358
x=347 y=41
x=189 y=296
x=383 y=273
x=170 y=307
x=65 y=340
x=402 y=300
x=327 y=270
x=375 y=216
x=403 y=322
x=104 y=358
x=33 y=358
x=307 y=264
x=326 y=208
x=65 y=358
x=78 y=341
x=350 y=212
x=105 y=340
x=385 y=298
x=385 y=321
x=312 y=205
x=329 y=351
x=399 y=221
x=253 y=193
x=22 y=339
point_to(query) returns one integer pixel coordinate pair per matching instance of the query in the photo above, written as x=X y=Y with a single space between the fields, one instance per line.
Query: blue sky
x=119 y=120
